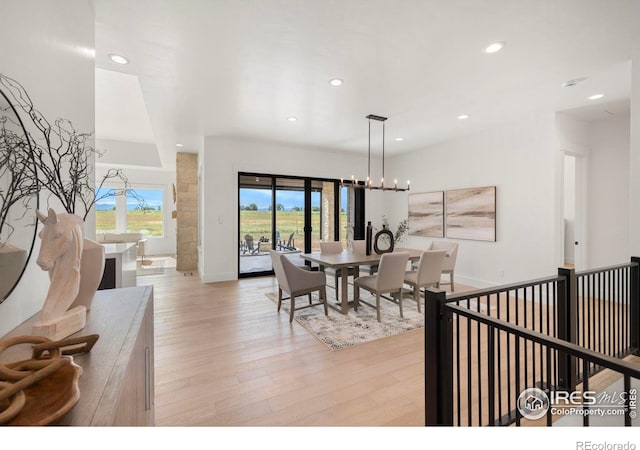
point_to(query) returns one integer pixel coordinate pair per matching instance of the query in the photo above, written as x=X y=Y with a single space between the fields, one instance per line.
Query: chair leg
x=335 y=279
x=293 y=307
x=310 y=299
x=323 y=295
x=416 y=296
x=378 y=306
x=400 y=302
x=279 y=299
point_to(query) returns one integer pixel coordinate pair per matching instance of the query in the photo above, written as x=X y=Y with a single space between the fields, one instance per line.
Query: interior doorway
x=574 y=211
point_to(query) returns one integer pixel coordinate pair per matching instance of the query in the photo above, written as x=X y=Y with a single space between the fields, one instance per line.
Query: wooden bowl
x=50 y=399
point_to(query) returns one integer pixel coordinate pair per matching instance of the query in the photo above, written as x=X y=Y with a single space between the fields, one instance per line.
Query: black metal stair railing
x=475 y=369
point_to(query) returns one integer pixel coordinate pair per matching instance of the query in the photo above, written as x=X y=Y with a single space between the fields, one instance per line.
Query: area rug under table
x=339 y=331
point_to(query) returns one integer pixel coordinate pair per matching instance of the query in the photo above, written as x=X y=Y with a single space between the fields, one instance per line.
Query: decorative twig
x=62 y=157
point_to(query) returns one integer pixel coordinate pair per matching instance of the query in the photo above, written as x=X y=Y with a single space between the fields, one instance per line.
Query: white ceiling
x=240 y=68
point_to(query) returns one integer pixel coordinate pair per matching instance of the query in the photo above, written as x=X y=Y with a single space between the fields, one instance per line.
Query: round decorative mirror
x=18 y=197
x=383 y=242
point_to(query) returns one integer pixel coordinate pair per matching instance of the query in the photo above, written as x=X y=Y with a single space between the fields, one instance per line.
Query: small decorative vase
x=383 y=242
x=91 y=271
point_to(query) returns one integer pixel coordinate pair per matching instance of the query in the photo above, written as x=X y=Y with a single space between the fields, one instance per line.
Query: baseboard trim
x=215 y=278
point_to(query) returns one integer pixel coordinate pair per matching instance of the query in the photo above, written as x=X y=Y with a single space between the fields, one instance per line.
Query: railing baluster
x=518 y=388
x=499 y=363
x=548 y=389
x=541 y=331
x=491 y=375
x=627 y=401
x=610 y=335
x=585 y=387
x=459 y=395
x=533 y=327
x=592 y=324
x=555 y=330
x=509 y=402
x=526 y=346
x=469 y=374
x=479 y=357
x=600 y=313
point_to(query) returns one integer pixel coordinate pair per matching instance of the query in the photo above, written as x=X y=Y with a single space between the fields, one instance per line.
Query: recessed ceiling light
x=494 y=47
x=118 y=59
x=399 y=139
x=292 y=119
x=179 y=145
x=596 y=96
x=335 y=82
x=463 y=116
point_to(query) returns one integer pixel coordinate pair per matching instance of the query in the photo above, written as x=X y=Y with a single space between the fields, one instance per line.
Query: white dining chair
x=296 y=281
x=427 y=274
x=449 y=265
x=388 y=280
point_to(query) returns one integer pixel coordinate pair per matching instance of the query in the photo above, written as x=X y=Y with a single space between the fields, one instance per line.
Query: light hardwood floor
x=225 y=357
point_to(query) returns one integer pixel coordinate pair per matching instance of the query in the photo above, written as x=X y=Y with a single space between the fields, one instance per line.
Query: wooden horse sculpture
x=61 y=255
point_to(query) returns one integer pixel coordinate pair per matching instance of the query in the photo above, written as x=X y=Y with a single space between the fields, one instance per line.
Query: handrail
x=606 y=269
x=618 y=365
x=502 y=288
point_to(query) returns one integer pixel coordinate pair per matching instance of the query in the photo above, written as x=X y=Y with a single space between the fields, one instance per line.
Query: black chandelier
x=368 y=184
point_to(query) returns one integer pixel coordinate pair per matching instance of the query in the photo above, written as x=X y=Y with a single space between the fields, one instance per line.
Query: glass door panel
x=347 y=216
x=255 y=224
x=289 y=215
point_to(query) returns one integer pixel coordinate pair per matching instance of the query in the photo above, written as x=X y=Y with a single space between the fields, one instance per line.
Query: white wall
x=46 y=51
x=222 y=159
x=140 y=178
x=605 y=144
x=518 y=158
x=608 y=179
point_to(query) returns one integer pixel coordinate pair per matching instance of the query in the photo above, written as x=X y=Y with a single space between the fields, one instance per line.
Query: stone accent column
x=187 y=211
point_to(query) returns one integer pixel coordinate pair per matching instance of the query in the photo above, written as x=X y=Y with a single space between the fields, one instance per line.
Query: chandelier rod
x=369 y=157
x=382 y=181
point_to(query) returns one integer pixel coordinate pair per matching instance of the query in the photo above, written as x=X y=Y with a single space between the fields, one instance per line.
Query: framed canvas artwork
x=426 y=214
x=471 y=213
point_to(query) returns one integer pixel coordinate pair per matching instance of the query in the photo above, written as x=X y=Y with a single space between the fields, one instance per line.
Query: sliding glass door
x=290 y=214
x=255 y=224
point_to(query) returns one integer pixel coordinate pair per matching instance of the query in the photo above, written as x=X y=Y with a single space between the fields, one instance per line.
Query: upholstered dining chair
x=427 y=274
x=388 y=280
x=333 y=248
x=296 y=281
x=449 y=265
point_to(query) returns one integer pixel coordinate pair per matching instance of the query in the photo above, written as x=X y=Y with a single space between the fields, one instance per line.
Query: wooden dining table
x=348 y=259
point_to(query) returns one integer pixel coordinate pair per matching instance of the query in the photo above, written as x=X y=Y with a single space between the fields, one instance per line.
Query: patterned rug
x=339 y=331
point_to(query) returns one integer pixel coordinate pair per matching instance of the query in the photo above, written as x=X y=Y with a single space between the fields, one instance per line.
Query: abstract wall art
x=426 y=214
x=471 y=213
